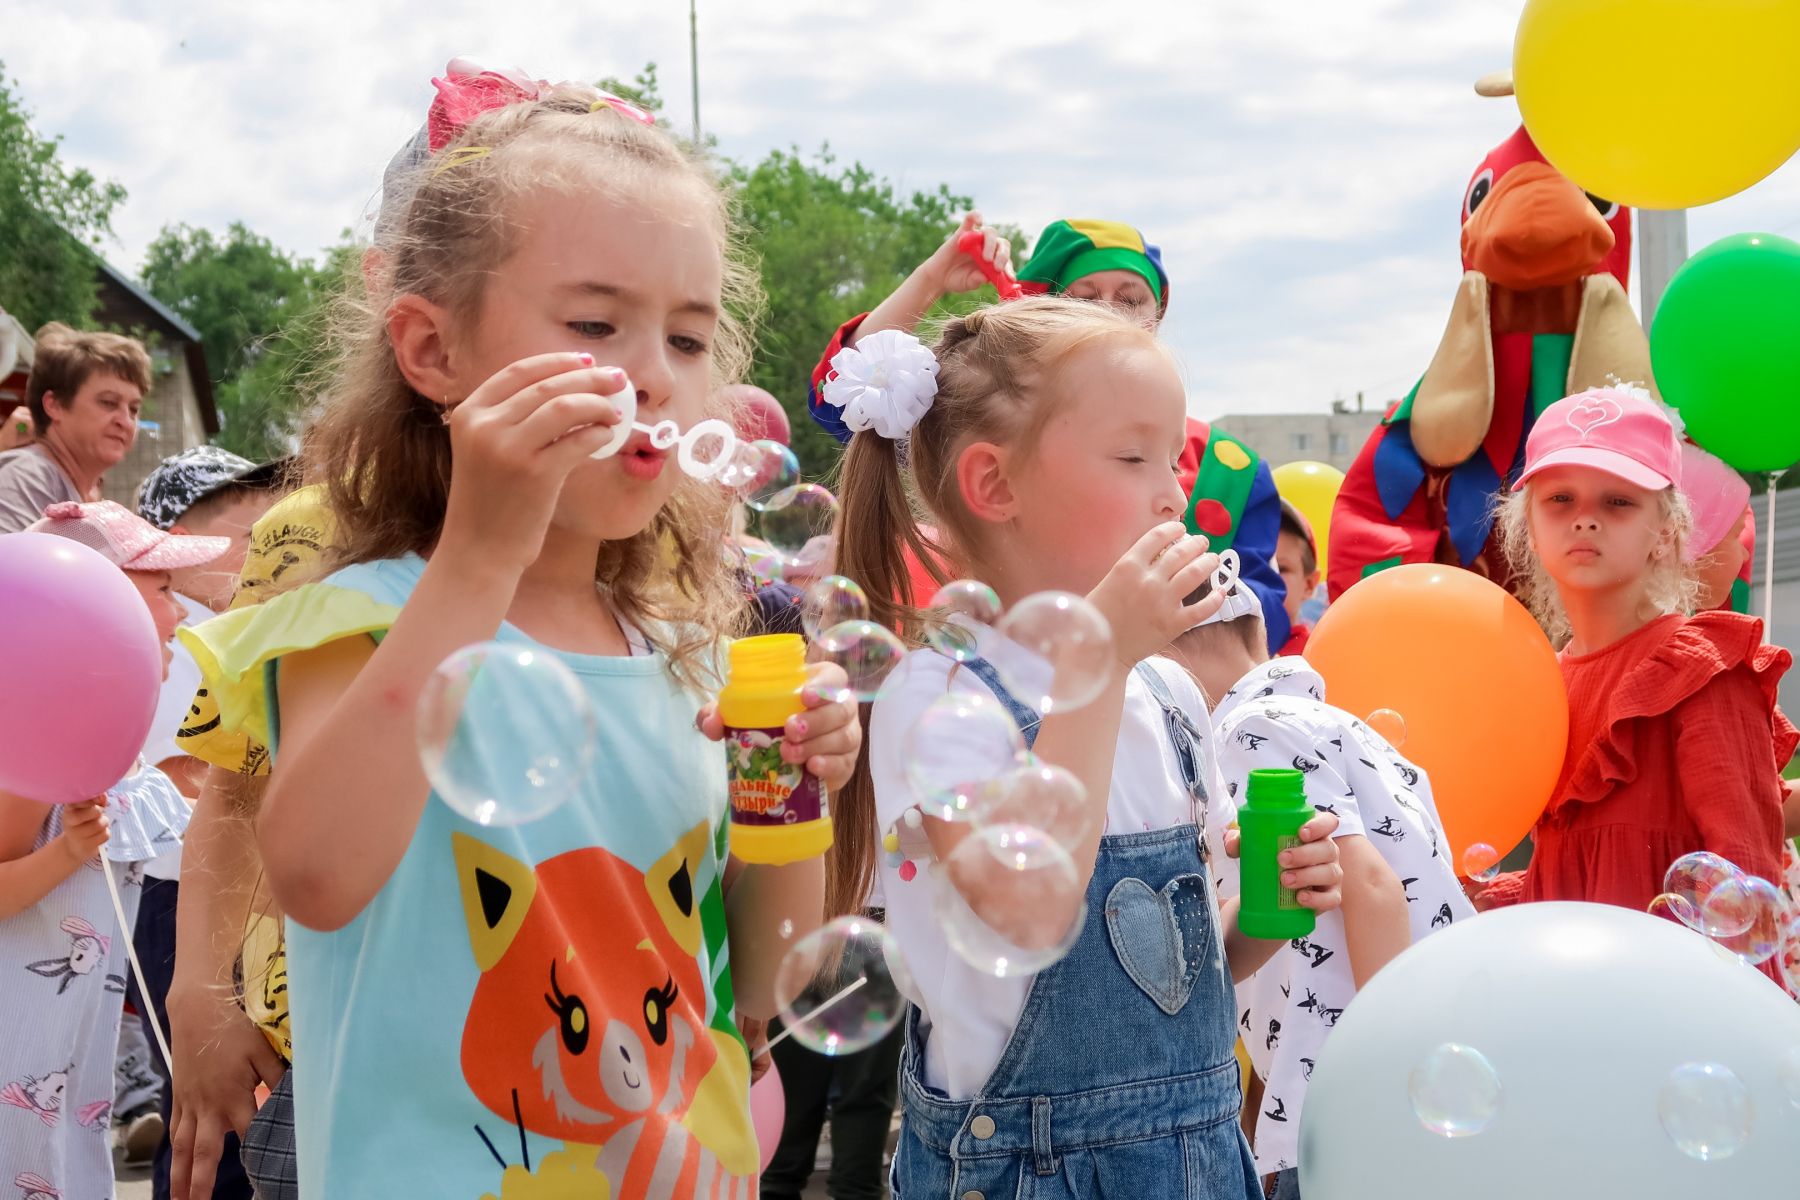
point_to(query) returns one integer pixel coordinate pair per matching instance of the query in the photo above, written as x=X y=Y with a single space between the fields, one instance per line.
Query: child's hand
x=85 y=828
x=949 y=270
x=1311 y=868
x=515 y=440
x=1143 y=595
x=826 y=737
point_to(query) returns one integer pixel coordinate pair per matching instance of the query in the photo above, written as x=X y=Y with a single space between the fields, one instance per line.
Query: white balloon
x=1584 y=1011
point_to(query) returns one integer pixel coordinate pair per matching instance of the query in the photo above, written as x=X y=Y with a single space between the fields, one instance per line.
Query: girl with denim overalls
x=1041 y=441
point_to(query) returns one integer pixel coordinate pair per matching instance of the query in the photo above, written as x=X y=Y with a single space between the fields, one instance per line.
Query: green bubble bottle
x=1274 y=809
x=779 y=810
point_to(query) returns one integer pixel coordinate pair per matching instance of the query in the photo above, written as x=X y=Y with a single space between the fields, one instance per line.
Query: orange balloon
x=1476 y=682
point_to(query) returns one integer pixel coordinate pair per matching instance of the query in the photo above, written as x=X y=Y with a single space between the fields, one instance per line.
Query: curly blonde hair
x=382 y=450
x=1672 y=586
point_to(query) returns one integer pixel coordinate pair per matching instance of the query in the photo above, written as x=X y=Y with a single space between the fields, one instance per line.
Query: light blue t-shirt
x=551 y=997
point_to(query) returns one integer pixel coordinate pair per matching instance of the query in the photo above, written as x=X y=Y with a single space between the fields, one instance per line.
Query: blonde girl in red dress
x=1675 y=742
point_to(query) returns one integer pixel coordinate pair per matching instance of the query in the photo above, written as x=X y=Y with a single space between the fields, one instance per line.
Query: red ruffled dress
x=1675 y=745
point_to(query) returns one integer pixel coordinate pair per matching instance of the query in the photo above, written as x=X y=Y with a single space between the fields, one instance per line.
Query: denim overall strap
x=1181 y=730
x=1120 y=1072
x=1027 y=720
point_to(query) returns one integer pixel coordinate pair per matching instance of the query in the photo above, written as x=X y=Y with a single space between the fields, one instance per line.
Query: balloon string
x=1769 y=561
x=788 y=1030
x=137 y=968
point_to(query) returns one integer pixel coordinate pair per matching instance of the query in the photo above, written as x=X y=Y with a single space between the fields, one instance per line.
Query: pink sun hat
x=1717 y=495
x=1609 y=429
x=127 y=540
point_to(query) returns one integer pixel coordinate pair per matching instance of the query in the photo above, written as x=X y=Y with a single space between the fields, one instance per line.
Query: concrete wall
x=1327 y=437
x=1785 y=630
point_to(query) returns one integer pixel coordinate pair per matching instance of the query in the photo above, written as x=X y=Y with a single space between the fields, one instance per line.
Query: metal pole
x=694 y=64
x=1662 y=248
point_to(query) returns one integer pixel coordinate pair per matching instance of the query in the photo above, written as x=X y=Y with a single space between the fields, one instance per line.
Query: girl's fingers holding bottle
x=1320 y=829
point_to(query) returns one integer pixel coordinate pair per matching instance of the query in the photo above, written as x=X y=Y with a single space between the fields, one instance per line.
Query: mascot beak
x=1534 y=230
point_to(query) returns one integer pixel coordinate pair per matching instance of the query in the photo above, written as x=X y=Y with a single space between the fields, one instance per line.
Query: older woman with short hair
x=84 y=395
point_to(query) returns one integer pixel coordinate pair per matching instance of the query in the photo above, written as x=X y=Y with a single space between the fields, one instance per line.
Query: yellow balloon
x=1661 y=103
x=1311 y=487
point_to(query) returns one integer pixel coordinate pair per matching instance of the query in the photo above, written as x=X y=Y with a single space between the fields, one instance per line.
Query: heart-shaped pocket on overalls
x=1146 y=930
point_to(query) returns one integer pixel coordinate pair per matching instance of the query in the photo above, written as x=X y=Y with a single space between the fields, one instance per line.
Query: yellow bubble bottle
x=779 y=810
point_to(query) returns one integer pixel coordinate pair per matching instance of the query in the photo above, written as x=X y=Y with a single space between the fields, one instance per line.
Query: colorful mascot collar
x=1071 y=250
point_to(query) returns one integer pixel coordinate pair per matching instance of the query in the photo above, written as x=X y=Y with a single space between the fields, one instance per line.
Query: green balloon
x=1725 y=345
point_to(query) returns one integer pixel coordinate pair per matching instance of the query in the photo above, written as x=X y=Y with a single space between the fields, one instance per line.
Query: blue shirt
x=552 y=997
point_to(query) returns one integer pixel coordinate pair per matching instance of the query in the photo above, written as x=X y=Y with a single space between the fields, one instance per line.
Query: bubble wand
x=665 y=434
x=970 y=244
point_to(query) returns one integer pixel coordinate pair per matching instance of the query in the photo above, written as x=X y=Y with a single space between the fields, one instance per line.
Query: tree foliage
x=51 y=215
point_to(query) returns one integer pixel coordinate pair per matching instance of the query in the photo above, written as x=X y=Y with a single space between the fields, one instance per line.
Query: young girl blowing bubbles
x=1675 y=743
x=1111 y=1070
x=544 y=1008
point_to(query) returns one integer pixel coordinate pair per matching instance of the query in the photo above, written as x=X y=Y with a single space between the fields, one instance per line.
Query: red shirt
x=1296 y=643
x=1675 y=745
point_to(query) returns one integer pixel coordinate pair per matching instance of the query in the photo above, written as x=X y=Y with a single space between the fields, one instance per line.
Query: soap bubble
x=1747 y=916
x=868 y=653
x=1706 y=1111
x=794 y=516
x=1040 y=796
x=1729 y=908
x=1480 y=862
x=1668 y=904
x=506 y=734
x=1390 y=725
x=842 y=987
x=759 y=471
x=764 y=564
x=832 y=601
x=1068 y=652
x=957 y=603
x=1455 y=1091
x=1023 y=882
x=961 y=742
x=1694 y=876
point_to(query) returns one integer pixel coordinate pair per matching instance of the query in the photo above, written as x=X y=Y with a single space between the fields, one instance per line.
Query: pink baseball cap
x=1717 y=495
x=1608 y=429
x=127 y=540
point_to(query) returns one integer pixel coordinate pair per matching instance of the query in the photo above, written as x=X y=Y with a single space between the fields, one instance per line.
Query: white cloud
x=1300 y=163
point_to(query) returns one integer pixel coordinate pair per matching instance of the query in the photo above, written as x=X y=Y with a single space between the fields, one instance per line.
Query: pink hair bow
x=469 y=89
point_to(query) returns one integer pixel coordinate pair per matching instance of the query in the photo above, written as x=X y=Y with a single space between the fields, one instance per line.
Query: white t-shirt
x=970 y=1014
x=172 y=705
x=1276 y=717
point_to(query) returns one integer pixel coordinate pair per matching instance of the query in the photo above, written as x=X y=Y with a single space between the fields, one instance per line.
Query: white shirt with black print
x=1275 y=717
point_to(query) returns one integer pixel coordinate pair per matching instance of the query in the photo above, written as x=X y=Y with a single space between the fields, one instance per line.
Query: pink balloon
x=81 y=670
x=768 y=1113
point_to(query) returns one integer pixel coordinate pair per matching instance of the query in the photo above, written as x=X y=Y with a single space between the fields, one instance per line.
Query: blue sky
x=1301 y=163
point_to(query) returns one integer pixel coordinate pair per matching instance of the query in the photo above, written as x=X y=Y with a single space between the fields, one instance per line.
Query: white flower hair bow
x=885 y=382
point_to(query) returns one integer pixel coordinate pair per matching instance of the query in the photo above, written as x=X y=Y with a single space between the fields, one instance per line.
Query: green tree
x=832 y=241
x=641 y=90
x=51 y=215
x=829 y=241
x=261 y=313
x=236 y=289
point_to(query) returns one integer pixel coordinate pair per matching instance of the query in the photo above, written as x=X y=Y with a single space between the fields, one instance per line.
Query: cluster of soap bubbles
x=1748 y=916
x=1004 y=893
